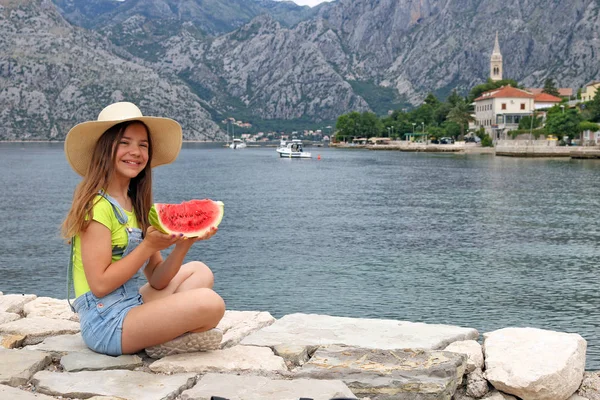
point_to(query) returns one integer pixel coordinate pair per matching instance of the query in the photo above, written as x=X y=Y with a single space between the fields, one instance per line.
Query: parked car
x=472 y=139
x=446 y=140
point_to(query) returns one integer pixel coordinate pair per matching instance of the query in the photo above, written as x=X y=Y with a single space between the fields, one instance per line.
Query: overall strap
x=70 y=274
x=118 y=210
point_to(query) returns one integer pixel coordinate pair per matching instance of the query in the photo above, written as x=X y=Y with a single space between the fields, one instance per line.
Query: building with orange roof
x=545 y=100
x=562 y=92
x=500 y=110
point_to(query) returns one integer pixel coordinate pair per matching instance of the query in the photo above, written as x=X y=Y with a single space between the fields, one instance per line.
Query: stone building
x=500 y=110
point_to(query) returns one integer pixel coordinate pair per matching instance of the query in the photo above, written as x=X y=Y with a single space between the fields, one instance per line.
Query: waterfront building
x=589 y=91
x=496 y=62
x=500 y=110
x=545 y=100
x=566 y=93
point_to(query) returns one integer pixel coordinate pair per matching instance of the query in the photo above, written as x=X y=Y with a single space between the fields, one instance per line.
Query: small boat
x=237 y=144
x=292 y=149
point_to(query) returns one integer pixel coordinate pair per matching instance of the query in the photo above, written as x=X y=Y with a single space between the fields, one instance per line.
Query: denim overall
x=102 y=318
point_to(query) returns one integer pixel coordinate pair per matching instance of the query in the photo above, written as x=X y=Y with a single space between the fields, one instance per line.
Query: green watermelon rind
x=154 y=220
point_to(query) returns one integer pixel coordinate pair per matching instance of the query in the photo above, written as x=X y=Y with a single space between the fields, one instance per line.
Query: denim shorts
x=102 y=318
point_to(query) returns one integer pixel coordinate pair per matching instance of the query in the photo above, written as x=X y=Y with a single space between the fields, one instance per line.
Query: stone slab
x=10 y=393
x=62 y=344
x=236 y=325
x=74 y=362
x=13 y=303
x=235 y=387
x=18 y=366
x=258 y=360
x=36 y=329
x=50 y=308
x=8 y=317
x=130 y=385
x=9 y=341
x=389 y=374
x=313 y=329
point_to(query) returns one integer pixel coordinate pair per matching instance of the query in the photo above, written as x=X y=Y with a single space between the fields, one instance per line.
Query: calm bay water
x=478 y=241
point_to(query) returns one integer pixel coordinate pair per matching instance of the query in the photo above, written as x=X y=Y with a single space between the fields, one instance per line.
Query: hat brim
x=165 y=133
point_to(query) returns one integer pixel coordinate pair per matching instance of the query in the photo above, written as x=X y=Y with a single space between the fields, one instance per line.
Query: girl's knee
x=211 y=306
x=198 y=267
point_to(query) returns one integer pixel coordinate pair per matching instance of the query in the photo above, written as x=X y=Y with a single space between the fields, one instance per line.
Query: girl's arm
x=159 y=272
x=102 y=274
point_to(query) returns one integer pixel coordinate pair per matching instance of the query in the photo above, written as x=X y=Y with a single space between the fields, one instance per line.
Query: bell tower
x=496 y=62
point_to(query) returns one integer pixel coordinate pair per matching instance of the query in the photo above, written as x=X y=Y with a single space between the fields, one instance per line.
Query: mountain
x=259 y=71
x=420 y=46
x=212 y=17
x=277 y=67
x=53 y=75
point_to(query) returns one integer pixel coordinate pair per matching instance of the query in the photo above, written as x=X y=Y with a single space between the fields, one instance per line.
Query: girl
x=111 y=241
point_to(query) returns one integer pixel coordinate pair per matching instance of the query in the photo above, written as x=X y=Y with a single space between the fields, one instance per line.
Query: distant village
x=497 y=110
x=318 y=135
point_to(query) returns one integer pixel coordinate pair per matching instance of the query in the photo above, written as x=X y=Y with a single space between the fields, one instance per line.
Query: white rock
x=261 y=388
x=49 y=308
x=236 y=325
x=534 y=364
x=258 y=360
x=8 y=317
x=472 y=350
x=13 y=303
x=10 y=393
x=312 y=329
x=37 y=329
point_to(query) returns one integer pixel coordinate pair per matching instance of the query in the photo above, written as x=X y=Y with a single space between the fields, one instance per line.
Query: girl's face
x=132 y=151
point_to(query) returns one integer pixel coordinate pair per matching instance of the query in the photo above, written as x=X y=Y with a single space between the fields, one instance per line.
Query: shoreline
x=298 y=355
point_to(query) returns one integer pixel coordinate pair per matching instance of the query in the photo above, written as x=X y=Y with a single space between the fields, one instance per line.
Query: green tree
x=550 y=88
x=460 y=114
x=563 y=123
x=370 y=125
x=593 y=107
x=347 y=126
x=527 y=123
x=431 y=100
x=588 y=126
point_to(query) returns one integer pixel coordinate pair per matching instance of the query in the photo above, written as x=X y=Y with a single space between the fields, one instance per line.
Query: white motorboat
x=237 y=144
x=292 y=149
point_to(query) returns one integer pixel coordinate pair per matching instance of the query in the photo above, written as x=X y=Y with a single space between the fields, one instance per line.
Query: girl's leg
x=166 y=318
x=193 y=275
x=187 y=304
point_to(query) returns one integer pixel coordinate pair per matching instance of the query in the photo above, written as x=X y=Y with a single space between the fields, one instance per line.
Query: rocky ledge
x=297 y=356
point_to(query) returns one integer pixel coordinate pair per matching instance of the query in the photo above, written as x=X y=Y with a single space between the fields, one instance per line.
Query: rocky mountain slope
x=53 y=75
x=189 y=56
x=213 y=17
x=417 y=46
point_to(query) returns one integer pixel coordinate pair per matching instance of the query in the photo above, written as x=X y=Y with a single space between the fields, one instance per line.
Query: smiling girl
x=112 y=242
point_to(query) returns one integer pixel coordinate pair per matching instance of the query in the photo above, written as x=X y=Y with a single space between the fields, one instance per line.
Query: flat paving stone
x=313 y=329
x=129 y=385
x=18 y=366
x=257 y=360
x=389 y=374
x=246 y=387
x=10 y=393
x=62 y=344
x=36 y=329
x=74 y=362
x=236 y=325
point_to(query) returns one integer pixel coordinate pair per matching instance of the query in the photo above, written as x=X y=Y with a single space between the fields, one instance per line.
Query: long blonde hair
x=99 y=171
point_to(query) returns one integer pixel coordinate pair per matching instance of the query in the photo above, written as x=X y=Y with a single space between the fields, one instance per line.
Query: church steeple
x=496 y=62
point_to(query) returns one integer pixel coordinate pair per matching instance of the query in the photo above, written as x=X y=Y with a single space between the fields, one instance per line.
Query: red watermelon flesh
x=191 y=218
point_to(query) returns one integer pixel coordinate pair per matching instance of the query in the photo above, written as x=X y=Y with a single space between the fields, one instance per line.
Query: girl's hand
x=206 y=236
x=158 y=240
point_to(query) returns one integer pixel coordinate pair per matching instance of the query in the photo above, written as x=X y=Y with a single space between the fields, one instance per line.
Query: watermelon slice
x=191 y=218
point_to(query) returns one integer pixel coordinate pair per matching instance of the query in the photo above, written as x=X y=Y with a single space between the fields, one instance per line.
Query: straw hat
x=81 y=139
